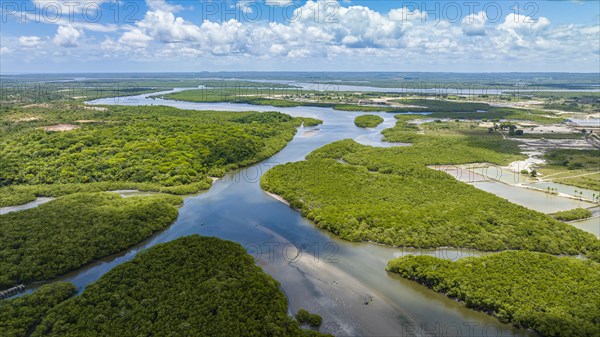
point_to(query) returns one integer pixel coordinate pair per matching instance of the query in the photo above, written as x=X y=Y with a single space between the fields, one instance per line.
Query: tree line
x=64 y=234
x=192 y=286
x=171 y=150
x=554 y=296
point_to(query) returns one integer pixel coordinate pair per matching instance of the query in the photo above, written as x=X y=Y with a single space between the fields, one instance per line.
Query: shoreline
x=277 y=197
x=347 y=306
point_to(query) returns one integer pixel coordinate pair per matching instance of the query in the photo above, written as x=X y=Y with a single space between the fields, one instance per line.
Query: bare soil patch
x=61 y=127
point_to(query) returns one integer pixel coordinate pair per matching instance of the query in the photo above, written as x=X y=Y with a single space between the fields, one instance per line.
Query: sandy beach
x=277 y=197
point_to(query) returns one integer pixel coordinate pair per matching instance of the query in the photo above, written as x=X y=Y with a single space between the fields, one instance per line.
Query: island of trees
x=192 y=286
x=71 y=231
x=554 y=296
x=388 y=195
x=368 y=121
x=573 y=214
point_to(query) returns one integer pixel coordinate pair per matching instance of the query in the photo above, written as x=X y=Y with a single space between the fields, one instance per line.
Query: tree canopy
x=157 y=148
x=573 y=214
x=367 y=121
x=192 y=286
x=555 y=296
x=388 y=195
x=64 y=234
x=19 y=316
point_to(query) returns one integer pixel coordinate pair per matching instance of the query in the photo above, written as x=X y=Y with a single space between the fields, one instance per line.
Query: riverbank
x=235 y=207
x=316 y=283
x=277 y=197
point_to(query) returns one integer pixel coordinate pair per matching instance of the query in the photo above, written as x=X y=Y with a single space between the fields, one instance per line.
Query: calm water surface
x=344 y=282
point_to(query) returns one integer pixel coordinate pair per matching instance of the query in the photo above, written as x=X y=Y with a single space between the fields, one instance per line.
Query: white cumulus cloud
x=346 y=33
x=517 y=22
x=67 y=36
x=474 y=24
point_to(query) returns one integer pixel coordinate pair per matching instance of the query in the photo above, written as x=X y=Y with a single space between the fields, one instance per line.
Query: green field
x=256 y=96
x=554 y=296
x=69 y=232
x=449 y=143
x=193 y=286
x=22 y=90
x=579 y=168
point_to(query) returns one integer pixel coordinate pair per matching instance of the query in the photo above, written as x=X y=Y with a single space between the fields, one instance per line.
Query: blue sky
x=297 y=35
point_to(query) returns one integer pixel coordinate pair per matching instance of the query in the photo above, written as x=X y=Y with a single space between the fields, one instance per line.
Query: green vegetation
x=573 y=214
x=449 y=143
x=580 y=168
x=368 y=121
x=388 y=195
x=306 y=121
x=304 y=317
x=147 y=148
x=436 y=105
x=349 y=102
x=193 y=286
x=29 y=95
x=20 y=194
x=555 y=296
x=254 y=96
x=580 y=102
x=65 y=234
x=42 y=89
x=445 y=83
x=542 y=117
x=19 y=316
x=574 y=159
x=456 y=109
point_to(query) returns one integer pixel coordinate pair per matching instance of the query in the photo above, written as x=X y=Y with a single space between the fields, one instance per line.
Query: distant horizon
x=299 y=72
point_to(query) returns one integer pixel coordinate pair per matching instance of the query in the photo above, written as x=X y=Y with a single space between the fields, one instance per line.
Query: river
x=346 y=283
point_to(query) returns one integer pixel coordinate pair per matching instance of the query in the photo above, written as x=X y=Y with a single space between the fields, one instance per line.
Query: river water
x=35 y=203
x=346 y=283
